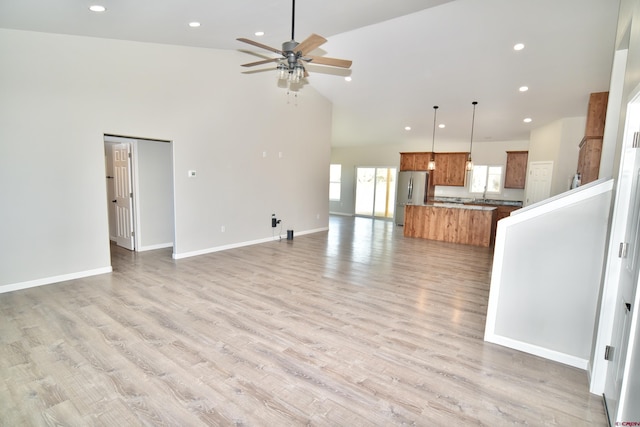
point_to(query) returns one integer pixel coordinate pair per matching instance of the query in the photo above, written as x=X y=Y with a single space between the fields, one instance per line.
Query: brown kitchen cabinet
x=596 y=115
x=516 y=171
x=417 y=161
x=450 y=169
x=589 y=159
x=504 y=211
x=591 y=145
x=468 y=225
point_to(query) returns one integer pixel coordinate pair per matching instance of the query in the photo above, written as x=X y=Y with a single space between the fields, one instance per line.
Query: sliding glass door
x=375 y=192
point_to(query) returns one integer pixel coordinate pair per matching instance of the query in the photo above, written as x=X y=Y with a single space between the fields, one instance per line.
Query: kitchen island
x=451 y=222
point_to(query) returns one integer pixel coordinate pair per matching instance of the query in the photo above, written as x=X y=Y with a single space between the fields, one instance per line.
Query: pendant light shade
x=432 y=163
x=469 y=165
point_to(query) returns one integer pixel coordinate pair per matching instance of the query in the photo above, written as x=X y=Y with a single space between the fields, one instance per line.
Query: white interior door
x=538 y=182
x=629 y=251
x=123 y=197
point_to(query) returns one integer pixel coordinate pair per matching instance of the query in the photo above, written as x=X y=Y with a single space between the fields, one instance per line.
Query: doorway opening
x=375 y=192
x=139 y=181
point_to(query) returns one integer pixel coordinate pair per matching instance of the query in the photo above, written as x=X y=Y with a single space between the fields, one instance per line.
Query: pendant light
x=432 y=163
x=469 y=165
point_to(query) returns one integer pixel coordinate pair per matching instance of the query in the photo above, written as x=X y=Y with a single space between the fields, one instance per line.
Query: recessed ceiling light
x=259 y=33
x=523 y=88
x=518 y=46
x=441 y=126
x=528 y=120
x=194 y=24
x=97 y=8
x=348 y=78
x=407 y=128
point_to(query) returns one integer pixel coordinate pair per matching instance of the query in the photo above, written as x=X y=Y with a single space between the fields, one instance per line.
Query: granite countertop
x=459 y=206
x=470 y=201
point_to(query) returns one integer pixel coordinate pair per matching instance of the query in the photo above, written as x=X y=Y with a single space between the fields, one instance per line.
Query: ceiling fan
x=294 y=55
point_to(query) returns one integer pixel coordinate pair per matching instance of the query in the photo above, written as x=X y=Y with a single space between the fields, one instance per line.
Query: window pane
x=335 y=173
x=365 y=184
x=335 y=176
x=479 y=178
x=494 y=179
x=334 y=191
x=381 y=200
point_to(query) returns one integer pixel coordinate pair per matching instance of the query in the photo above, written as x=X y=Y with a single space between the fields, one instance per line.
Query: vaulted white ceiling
x=408 y=55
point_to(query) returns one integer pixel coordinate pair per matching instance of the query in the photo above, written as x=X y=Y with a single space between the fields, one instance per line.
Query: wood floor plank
x=357 y=326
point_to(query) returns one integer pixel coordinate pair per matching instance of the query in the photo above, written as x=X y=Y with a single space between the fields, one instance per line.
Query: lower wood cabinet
x=450 y=224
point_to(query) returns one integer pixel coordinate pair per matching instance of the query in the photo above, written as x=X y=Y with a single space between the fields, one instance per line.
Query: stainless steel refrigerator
x=412 y=190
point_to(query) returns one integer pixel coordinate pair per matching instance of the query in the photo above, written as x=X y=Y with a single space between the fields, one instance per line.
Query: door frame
x=394 y=176
x=111 y=139
x=610 y=293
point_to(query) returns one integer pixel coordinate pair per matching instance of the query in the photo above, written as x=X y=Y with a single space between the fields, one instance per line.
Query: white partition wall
x=546 y=275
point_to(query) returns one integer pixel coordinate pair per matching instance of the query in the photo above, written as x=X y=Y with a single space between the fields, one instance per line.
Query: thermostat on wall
x=191 y=174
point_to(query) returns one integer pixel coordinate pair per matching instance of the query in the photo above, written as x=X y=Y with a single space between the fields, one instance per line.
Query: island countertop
x=459 y=206
x=451 y=222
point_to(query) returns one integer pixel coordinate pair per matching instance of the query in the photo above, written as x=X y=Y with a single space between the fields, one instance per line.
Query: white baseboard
x=545 y=353
x=241 y=244
x=53 y=279
x=154 y=247
x=341 y=213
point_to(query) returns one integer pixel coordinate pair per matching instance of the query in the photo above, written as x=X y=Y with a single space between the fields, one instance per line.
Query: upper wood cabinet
x=516 y=172
x=589 y=159
x=591 y=144
x=450 y=169
x=414 y=161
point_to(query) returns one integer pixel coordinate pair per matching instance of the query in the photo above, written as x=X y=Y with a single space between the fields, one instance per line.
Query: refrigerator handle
x=410 y=194
x=426 y=188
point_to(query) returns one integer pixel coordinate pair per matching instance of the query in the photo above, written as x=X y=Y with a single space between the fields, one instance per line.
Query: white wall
x=388 y=155
x=61 y=94
x=154 y=175
x=546 y=275
x=559 y=142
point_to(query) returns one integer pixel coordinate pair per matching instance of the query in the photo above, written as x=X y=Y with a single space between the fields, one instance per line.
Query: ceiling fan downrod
x=293 y=18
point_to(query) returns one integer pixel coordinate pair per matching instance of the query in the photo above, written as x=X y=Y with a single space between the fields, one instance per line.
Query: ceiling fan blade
x=335 y=62
x=260 y=45
x=264 y=61
x=310 y=43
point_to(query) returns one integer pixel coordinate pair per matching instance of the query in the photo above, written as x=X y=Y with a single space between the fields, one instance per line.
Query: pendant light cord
x=473 y=120
x=433 y=140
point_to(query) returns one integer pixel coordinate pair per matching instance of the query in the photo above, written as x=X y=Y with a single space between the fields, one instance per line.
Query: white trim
x=154 y=247
x=241 y=244
x=613 y=264
x=545 y=353
x=537 y=209
x=341 y=213
x=53 y=279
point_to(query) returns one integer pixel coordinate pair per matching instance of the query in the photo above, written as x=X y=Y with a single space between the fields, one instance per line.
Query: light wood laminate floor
x=359 y=326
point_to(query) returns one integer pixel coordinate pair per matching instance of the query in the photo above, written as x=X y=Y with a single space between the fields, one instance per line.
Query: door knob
x=114 y=201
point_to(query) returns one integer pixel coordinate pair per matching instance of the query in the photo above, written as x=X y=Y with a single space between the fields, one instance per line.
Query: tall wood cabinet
x=516 y=171
x=450 y=169
x=591 y=144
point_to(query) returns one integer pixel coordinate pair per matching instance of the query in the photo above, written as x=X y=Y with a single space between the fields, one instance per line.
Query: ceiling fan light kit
x=293 y=55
